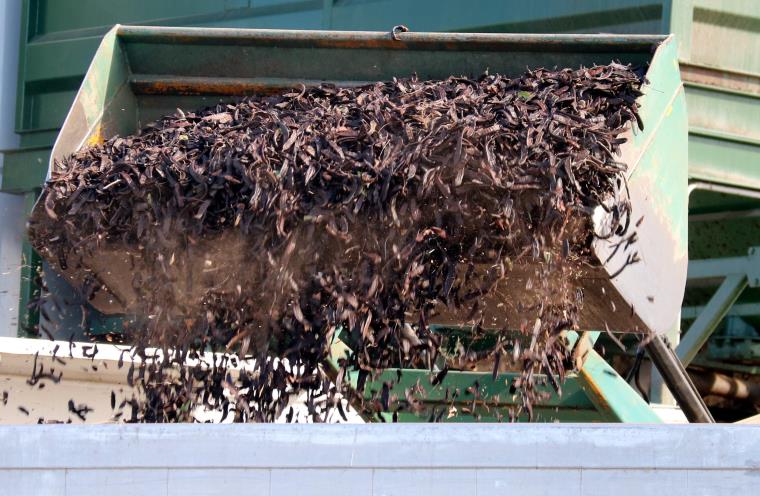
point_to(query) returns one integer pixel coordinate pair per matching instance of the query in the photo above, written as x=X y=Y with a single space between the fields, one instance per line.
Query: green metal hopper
x=595 y=393
x=141 y=73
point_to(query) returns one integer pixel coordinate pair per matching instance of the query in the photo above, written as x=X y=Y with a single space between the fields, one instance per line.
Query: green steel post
x=708 y=320
x=613 y=397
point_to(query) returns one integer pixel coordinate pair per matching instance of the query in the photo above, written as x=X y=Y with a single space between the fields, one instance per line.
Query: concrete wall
x=462 y=460
x=11 y=206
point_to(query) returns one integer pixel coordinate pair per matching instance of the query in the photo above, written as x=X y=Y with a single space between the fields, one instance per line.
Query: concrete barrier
x=471 y=459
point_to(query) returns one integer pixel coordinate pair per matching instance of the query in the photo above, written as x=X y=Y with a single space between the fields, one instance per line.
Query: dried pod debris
x=270 y=226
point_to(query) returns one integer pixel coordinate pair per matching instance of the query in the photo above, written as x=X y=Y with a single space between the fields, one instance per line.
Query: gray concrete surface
x=525 y=460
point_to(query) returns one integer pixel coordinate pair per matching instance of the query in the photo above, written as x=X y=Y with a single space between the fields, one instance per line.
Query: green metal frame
x=736 y=310
x=614 y=398
x=722 y=86
x=736 y=273
x=139 y=73
x=596 y=393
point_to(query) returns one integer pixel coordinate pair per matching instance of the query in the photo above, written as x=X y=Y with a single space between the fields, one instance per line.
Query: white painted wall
x=11 y=206
x=334 y=460
x=88 y=380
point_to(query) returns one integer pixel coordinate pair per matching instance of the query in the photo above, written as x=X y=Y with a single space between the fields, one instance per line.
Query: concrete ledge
x=391 y=446
x=465 y=459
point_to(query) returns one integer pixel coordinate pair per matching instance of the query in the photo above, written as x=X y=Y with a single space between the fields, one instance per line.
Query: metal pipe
x=678 y=381
x=725 y=215
x=709 y=382
x=719 y=188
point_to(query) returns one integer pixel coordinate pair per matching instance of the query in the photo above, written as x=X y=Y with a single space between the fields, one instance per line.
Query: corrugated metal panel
x=61 y=38
x=720 y=65
x=719 y=27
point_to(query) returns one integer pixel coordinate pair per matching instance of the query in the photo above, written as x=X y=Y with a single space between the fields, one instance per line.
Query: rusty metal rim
x=378 y=39
x=148 y=84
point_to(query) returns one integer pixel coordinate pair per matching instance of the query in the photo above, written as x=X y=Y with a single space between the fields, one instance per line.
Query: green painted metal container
x=141 y=73
x=718 y=47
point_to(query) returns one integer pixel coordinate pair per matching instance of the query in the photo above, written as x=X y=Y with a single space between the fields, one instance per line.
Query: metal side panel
x=103 y=106
x=657 y=160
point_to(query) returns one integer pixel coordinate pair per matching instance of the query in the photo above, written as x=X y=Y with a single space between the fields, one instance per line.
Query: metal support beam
x=708 y=320
x=728 y=190
x=748 y=266
x=678 y=381
x=615 y=399
x=717 y=267
x=596 y=393
x=738 y=310
x=738 y=273
x=581 y=345
x=725 y=215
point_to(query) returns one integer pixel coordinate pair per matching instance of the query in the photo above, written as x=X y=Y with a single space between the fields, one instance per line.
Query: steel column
x=710 y=317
